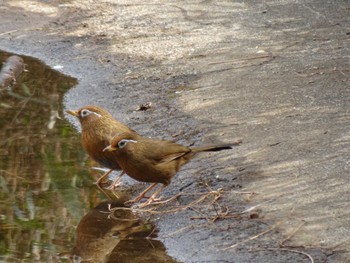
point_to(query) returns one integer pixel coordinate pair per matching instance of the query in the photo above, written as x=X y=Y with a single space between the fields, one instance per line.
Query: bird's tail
x=216 y=147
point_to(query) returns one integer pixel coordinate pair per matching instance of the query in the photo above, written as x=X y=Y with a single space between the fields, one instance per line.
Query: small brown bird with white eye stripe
x=154 y=161
x=98 y=128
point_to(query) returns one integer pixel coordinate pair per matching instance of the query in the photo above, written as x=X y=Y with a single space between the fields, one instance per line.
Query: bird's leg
x=153 y=197
x=115 y=183
x=105 y=192
x=142 y=195
x=100 y=180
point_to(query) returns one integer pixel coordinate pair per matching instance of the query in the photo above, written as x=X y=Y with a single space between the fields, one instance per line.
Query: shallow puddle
x=50 y=211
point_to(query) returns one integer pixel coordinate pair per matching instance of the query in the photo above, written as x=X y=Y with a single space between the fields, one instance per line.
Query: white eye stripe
x=86 y=112
x=122 y=143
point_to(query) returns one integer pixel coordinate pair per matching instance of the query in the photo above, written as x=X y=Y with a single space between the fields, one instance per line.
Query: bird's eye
x=84 y=113
x=122 y=144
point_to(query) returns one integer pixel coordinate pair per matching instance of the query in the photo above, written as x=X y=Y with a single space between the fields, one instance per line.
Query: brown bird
x=154 y=161
x=98 y=128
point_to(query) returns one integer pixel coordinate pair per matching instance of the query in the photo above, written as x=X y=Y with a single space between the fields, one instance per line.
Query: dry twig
x=252 y=238
x=293 y=251
x=292 y=234
x=177 y=209
x=241 y=60
x=185 y=228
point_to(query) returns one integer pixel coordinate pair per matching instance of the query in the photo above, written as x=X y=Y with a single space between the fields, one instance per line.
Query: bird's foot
x=148 y=202
x=158 y=201
x=135 y=200
x=100 y=184
x=97 y=183
x=100 y=180
x=113 y=186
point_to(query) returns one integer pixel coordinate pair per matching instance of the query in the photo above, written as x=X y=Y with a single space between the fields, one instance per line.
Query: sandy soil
x=274 y=74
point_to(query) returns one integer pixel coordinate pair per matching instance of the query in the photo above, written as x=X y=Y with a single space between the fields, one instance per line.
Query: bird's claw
x=135 y=200
x=151 y=200
x=113 y=186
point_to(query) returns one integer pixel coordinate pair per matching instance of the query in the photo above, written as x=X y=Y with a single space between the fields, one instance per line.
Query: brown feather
x=97 y=133
x=155 y=161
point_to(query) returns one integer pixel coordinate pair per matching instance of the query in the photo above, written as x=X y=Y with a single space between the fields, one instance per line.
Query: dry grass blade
x=252 y=238
x=8 y=32
x=292 y=234
x=185 y=228
x=244 y=193
x=154 y=210
x=293 y=251
x=242 y=60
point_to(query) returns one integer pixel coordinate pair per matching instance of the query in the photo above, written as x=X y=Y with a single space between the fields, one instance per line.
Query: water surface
x=50 y=210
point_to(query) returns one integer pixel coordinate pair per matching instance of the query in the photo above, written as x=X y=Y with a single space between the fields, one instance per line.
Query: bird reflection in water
x=106 y=234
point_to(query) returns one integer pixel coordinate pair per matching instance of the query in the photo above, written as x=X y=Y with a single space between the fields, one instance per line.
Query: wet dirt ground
x=275 y=74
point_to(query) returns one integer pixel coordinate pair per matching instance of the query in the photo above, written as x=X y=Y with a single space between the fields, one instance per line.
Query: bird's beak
x=109 y=148
x=72 y=112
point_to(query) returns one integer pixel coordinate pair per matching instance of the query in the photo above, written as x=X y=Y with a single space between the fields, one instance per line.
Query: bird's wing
x=166 y=151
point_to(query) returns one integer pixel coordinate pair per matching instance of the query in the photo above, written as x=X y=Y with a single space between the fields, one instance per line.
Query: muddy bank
x=275 y=75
